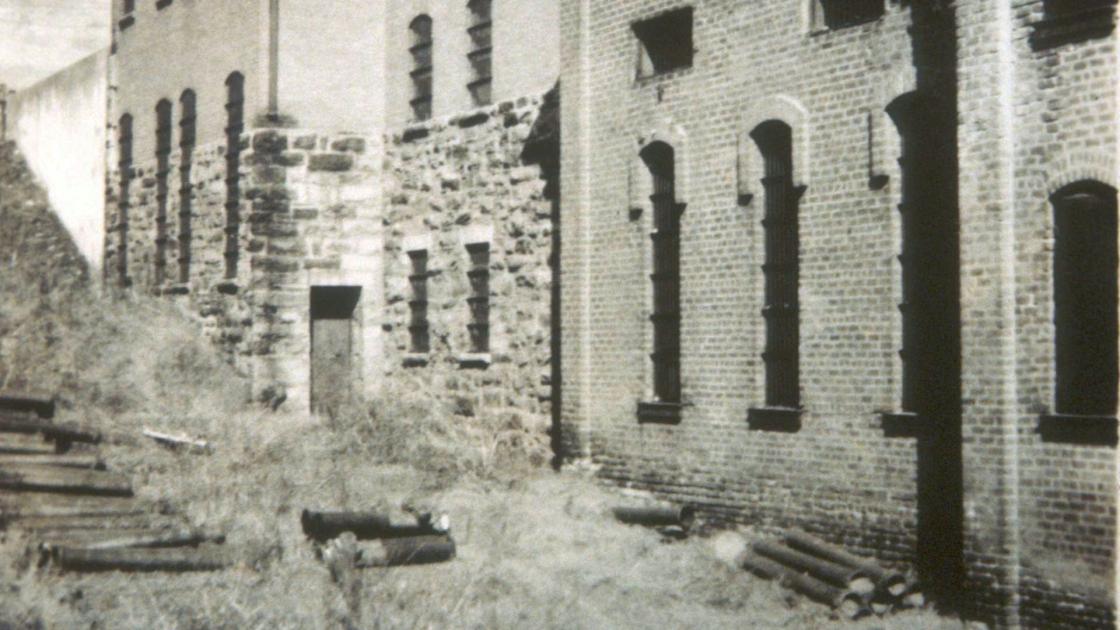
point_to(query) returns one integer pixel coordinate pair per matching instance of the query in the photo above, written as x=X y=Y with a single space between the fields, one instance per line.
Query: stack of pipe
x=852 y=585
x=390 y=540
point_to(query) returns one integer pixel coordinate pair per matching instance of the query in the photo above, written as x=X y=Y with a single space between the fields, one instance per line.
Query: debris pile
x=77 y=516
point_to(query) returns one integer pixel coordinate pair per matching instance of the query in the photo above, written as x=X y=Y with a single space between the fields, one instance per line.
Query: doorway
x=333 y=310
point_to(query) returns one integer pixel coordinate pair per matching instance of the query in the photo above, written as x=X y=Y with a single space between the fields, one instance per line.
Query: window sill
x=415 y=359
x=1056 y=30
x=475 y=360
x=779 y=419
x=659 y=412
x=1076 y=429
x=899 y=423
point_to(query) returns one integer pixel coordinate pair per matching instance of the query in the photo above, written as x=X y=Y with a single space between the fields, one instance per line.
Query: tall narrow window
x=421 y=75
x=163 y=167
x=418 y=305
x=480 y=55
x=1085 y=294
x=186 y=149
x=780 y=270
x=479 y=300
x=235 y=124
x=129 y=6
x=124 y=147
x=666 y=315
x=1071 y=21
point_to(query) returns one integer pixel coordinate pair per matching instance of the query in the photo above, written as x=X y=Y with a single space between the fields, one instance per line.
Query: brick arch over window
x=639 y=183
x=750 y=165
x=1068 y=167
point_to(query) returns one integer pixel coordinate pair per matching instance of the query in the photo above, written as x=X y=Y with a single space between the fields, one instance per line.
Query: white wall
x=59 y=124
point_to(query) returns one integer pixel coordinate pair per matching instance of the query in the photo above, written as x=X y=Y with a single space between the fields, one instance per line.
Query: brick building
x=849 y=265
x=852 y=266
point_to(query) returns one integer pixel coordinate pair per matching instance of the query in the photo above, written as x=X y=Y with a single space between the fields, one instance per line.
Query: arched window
x=235 y=124
x=124 y=165
x=421 y=50
x=186 y=147
x=781 y=267
x=1085 y=294
x=666 y=316
x=163 y=154
x=480 y=55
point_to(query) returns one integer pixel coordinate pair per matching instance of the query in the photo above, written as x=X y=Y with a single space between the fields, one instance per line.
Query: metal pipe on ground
x=124 y=538
x=323 y=525
x=74 y=460
x=64 y=432
x=30 y=505
x=657 y=516
x=59 y=525
x=61 y=480
x=405 y=551
x=848 y=604
x=41 y=404
x=891 y=582
x=25 y=444
x=134 y=559
x=838 y=575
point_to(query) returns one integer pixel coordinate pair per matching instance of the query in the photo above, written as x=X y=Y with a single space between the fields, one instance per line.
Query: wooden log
x=887 y=581
x=143 y=559
x=404 y=551
x=64 y=432
x=364 y=525
x=41 y=404
x=657 y=516
x=64 y=480
x=847 y=604
x=838 y=575
x=72 y=460
x=25 y=444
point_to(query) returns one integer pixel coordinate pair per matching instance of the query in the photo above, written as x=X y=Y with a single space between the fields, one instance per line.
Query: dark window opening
x=479 y=300
x=480 y=55
x=421 y=75
x=666 y=236
x=186 y=147
x=235 y=114
x=781 y=268
x=844 y=13
x=124 y=148
x=1085 y=294
x=163 y=154
x=666 y=42
x=418 y=305
x=129 y=6
x=1070 y=21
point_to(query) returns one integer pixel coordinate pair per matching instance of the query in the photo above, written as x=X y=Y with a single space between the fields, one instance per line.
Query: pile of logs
x=348 y=539
x=55 y=492
x=852 y=585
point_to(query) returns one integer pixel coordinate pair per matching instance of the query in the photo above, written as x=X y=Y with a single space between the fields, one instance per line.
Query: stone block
x=330 y=162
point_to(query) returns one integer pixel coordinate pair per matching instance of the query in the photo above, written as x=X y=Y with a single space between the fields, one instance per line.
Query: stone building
x=349 y=195
x=851 y=265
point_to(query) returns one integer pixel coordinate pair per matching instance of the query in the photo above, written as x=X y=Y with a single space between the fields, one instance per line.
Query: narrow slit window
x=418 y=327
x=480 y=55
x=421 y=74
x=479 y=300
x=1085 y=295
x=665 y=279
x=163 y=167
x=666 y=42
x=235 y=124
x=124 y=148
x=781 y=308
x=186 y=149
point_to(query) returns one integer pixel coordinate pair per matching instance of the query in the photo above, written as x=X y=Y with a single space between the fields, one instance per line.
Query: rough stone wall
x=466 y=180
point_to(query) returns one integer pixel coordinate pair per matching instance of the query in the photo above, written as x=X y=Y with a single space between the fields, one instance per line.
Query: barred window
x=421 y=74
x=235 y=124
x=781 y=267
x=1085 y=294
x=418 y=306
x=124 y=148
x=666 y=315
x=480 y=56
x=479 y=300
x=186 y=148
x=834 y=14
x=666 y=42
x=163 y=153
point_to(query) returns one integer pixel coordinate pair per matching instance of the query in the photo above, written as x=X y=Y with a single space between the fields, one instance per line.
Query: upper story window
x=420 y=31
x=128 y=8
x=1068 y=21
x=481 y=53
x=835 y=14
x=666 y=42
x=1085 y=294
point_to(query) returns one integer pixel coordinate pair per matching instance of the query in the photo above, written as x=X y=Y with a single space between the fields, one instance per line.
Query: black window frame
x=422 y=73
x=478 y=300
x=481 y=55
x=164 y=112
x=419 y=328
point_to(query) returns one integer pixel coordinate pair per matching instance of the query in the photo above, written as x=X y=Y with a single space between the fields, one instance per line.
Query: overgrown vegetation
x=536 y=548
